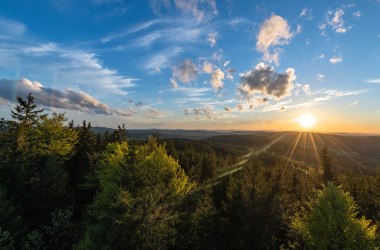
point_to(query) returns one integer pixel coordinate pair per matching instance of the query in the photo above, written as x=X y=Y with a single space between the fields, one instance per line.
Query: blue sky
x=195 y=64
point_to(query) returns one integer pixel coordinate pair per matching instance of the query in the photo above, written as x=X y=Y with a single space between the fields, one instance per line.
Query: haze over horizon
x=215 y=65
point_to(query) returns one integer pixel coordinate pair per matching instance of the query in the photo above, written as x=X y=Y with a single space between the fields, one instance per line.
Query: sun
x=307 y=121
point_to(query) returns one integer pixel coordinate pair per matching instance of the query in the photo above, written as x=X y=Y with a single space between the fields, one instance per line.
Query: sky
x=195 y=64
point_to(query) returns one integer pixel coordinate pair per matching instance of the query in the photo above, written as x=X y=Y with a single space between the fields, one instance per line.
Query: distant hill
x=359 y=152
x=172 y=133
x=353 y=151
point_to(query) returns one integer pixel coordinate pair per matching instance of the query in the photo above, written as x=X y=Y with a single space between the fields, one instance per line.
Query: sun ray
x=315 y=149
x=293 y=148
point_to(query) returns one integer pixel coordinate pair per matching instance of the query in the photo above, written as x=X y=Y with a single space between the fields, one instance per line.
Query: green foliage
x=34 y=241
x=61 y=233
x=330 y=222
x=199 y=226
x=140 y=189
x=54 y=139
x=326 y=158
x=6 y=240
x=9 y=219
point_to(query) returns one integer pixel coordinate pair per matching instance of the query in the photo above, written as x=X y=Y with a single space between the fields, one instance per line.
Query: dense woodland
x=62 y=186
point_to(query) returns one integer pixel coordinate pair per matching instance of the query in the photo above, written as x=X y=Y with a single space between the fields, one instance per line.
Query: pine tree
x=26 y=115
x=330 y=221
x=26 y=112
x=326 y=158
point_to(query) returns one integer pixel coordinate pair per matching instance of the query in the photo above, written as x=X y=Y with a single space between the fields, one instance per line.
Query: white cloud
x=274 y=31
x=173 y=83
x=306 y=89
x=207 y=67
x=321 y=56
x=375 y=80
x=217 y=79
x=333 y=93
x=353 y=103
x=299 y=29
x=211 y=38
x=334 y=60
x=226 y=63
x=335 y=20
x=11 y=28
x=320 y=77
x=186 y=72
x=42 y=49
x=201 y=10
x=307 y=13
x=193 y=92
x=264 y=80
x=162 y=59
x=357 y=14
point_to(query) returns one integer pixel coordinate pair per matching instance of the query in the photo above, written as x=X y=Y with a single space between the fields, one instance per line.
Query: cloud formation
x=211 y=38
x=77 y=64
x=274 y=31
x=306 y=89
x=306 y=13
x=206 y=112
x=48 y=97
x=186 y=72
x=375 y=80
x=217 y=79
x=335 y=21
x=161 y=60
x=201 y=10
x=228 y=109
x=207 y=67
x=335 y=60
x=320 y=77
x=264 y=80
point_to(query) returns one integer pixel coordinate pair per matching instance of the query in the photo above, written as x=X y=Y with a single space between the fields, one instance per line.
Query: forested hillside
x=63 y=186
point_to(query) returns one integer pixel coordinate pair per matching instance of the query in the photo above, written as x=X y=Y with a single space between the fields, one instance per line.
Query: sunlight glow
x=307 y=121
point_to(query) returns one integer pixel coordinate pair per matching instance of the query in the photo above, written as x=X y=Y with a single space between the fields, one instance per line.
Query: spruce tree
x=326 y=158
x=330 y=221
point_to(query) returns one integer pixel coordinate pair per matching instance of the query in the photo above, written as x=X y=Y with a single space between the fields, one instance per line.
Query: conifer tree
x=326 y=158
x=330 y=221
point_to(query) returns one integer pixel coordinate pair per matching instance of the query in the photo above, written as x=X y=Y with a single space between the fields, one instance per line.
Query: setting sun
x=307 y=121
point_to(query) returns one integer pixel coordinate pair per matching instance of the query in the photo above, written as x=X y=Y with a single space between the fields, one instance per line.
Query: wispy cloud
x=320 y=77
x=162 y=59
x=134 y=29
x=274 y=31
x=67 y=65
x=335 y=60
x=374 y=80
x=10 y=28
x=192 y=92
x=335 y=20
x=353 y=103
x=211 y=38
x=306 y=13
x=201 y=10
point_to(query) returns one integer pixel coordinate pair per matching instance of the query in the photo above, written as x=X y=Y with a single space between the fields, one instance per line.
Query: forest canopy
x=64 y=186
